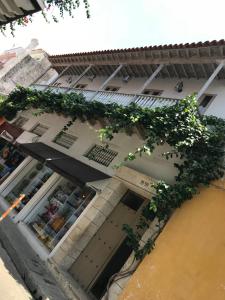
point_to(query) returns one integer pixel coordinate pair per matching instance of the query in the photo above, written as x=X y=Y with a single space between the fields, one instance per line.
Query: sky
x=125 y=23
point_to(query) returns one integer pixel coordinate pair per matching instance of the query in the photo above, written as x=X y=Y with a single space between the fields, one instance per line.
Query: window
x=132 y=200
x=205 y=101
x=112 y=88
x=64 y=139
x=101 y=155
x=57 y=84
x=57 y=211
x=39 y=129
x=29 y=185
x=20 y=121
x=80 y=86
x=152 y=92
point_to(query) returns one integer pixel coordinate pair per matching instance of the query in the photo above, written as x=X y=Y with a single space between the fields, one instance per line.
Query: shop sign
x=7 y=136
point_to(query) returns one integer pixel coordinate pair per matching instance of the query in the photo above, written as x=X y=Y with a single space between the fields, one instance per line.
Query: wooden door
x=92 y=261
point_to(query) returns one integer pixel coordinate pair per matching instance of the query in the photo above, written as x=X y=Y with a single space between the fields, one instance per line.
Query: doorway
x=107 y=251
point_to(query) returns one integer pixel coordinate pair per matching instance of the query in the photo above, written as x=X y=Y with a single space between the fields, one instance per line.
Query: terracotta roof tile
x=155 y=47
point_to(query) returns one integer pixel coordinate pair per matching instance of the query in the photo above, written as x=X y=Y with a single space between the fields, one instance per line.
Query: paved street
x=11 y=286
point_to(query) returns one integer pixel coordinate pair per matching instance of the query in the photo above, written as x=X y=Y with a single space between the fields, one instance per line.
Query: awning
x=63 y=164
x=11 y=10
x=9 y=131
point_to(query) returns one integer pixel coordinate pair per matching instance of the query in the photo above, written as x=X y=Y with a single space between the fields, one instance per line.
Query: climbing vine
x=197 y=141
x=53 y=9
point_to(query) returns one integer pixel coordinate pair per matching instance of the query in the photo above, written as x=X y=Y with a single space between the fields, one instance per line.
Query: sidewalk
x=12 y=286
x=33 y=271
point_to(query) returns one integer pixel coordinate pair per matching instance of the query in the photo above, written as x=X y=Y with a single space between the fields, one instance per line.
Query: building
x=22 y=66
x=188 y=260
x=15 y=9
x=76 y=203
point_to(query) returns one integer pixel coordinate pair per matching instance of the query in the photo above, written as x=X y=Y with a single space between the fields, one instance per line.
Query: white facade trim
x=210 y=80
x=15 y=176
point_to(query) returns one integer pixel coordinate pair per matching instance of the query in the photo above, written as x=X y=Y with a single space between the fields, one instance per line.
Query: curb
x=39 y=281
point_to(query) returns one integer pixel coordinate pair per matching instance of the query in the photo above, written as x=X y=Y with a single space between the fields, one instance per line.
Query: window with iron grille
x=205 y=101
x=57 y=84
x=65 y=139
x=20 y=121
x=110 y=88
x=101 y=155
x=39 y=129
x=152 y=92
x=80 y=86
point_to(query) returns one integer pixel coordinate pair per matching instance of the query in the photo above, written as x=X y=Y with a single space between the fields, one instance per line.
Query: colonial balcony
x=119 y=98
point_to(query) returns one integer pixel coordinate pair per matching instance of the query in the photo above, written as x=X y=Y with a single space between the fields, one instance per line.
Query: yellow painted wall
x=188 y=262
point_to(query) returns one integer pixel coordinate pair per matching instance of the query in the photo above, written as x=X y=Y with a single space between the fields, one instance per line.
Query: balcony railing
x=119 y=98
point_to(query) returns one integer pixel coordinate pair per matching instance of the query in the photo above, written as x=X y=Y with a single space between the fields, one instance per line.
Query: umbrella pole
x=15 y=203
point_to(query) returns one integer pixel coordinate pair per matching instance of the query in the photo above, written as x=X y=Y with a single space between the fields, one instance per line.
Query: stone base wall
x=88 y=224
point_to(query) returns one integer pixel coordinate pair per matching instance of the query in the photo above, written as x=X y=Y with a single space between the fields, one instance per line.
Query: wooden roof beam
x=184 y=71
x=194 y=71
x=130 y=69
x=175 y=71
x=147 y=61
x=204 y=71
x=136 y=71
x=167 y=71
x=144 y=71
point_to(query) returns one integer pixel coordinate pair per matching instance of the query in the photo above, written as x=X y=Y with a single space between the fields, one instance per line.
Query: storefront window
x=57 y=212
x=29 y=185
x=10 y=158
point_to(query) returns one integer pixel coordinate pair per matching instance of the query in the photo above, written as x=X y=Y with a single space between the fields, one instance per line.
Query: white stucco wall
x=217 y=107
x=155 y=166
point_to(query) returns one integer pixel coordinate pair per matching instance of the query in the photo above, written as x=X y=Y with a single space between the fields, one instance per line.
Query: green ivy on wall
x=199 y=142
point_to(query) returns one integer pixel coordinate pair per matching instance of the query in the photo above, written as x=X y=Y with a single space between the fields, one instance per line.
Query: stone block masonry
x=88 y=224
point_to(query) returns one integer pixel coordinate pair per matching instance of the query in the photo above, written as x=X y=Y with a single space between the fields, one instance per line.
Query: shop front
x=56 y=193
x=57 y=211
x=37 y=174
x=10 y=156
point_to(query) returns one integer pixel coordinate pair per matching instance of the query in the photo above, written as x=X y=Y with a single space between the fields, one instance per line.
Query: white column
x=15 y=176
x=78 y=79
x=56 y=78
x=107 y=80
x=210 y=80
x=150 y=79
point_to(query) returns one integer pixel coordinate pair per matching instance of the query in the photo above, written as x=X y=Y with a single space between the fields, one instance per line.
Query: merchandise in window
x=10 y=158
x=58 y=211
x=29 y=185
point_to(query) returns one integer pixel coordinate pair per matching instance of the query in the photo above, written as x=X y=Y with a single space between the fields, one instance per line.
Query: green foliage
x=53 y=8
x=198 y=141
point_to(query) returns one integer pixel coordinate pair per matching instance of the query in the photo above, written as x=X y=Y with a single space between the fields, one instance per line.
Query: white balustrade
x=145 y=101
